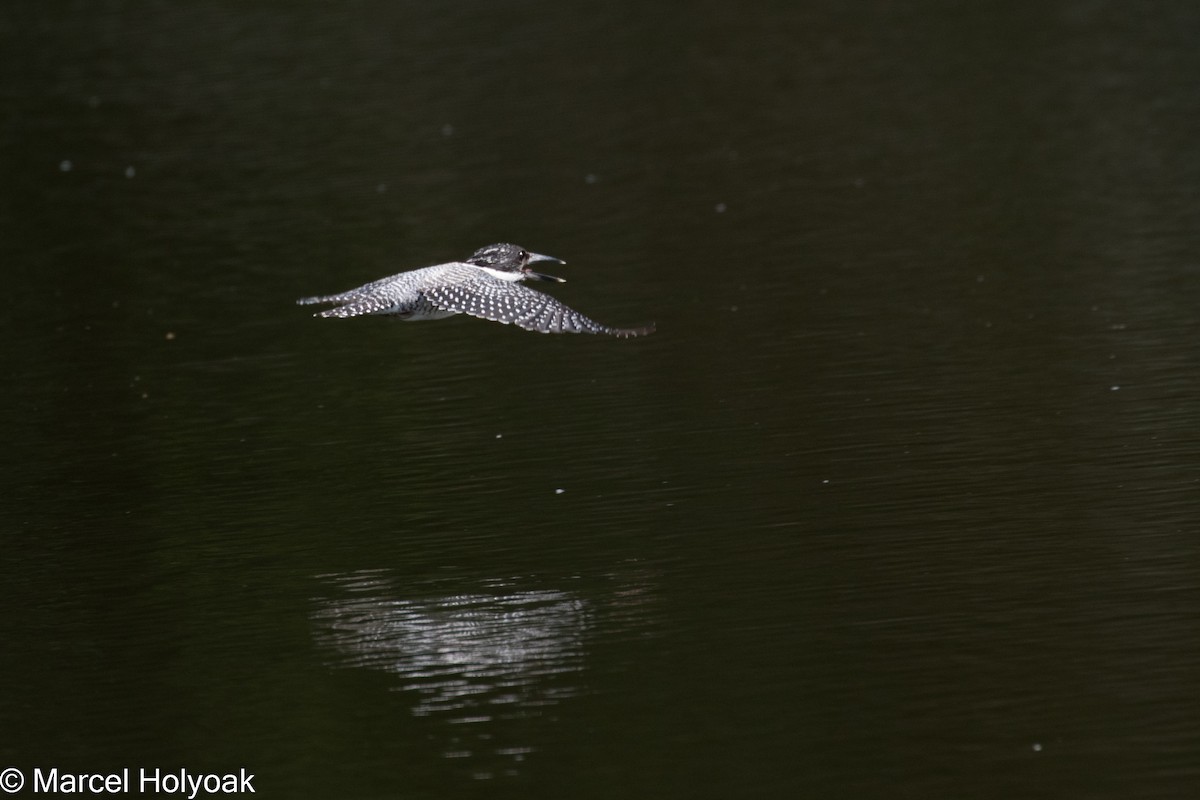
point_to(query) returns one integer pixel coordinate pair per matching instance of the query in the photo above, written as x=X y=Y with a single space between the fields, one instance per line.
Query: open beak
x=537 y=276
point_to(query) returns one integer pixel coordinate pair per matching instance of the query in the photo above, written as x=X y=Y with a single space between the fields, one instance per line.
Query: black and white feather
x=511 y=303
x=488 y=286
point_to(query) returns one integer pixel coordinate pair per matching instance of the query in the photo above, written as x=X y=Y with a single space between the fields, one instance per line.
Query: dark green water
x=902 y=499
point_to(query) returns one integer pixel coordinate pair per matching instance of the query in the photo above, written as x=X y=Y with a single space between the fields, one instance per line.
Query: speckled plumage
x=487 y=285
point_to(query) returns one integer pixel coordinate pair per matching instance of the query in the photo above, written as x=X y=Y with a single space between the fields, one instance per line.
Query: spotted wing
x=355 y=304
x=510 y=302
x=377 y=297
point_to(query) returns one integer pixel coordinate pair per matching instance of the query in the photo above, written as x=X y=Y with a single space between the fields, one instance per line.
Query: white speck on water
x=1114 y=388
x=559 y=491
x=130 y=171
x=65 y=165
x=590 y=178
x=447 y=129
x=499 y=435
x=1037 y=747
x=720 y=208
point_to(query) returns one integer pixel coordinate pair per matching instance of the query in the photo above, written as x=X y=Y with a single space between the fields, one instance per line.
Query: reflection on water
x=460 y=652
x=480 y=663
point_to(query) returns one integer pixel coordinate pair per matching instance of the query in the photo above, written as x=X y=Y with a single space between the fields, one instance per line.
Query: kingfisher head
x=514 y=259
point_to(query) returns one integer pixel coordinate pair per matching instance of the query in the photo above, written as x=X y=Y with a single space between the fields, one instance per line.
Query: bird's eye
x=524 y=255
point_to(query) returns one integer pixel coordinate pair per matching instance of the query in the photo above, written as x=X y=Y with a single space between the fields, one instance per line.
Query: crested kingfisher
x=487 y=285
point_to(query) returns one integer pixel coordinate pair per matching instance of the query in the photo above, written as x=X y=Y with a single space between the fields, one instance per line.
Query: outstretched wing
x=396 y=295
x=510 y=302
x=378 y=297
x=355 y=305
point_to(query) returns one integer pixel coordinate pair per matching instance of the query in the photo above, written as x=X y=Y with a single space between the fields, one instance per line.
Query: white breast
x=511 y=277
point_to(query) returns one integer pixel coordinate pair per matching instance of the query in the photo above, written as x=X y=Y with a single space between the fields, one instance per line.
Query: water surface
x=900 y=500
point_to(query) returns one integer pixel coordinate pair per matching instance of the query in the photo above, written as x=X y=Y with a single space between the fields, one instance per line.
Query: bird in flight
x=487 y=285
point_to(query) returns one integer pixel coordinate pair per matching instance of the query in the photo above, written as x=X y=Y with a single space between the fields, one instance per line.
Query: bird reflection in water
x=485 y=661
